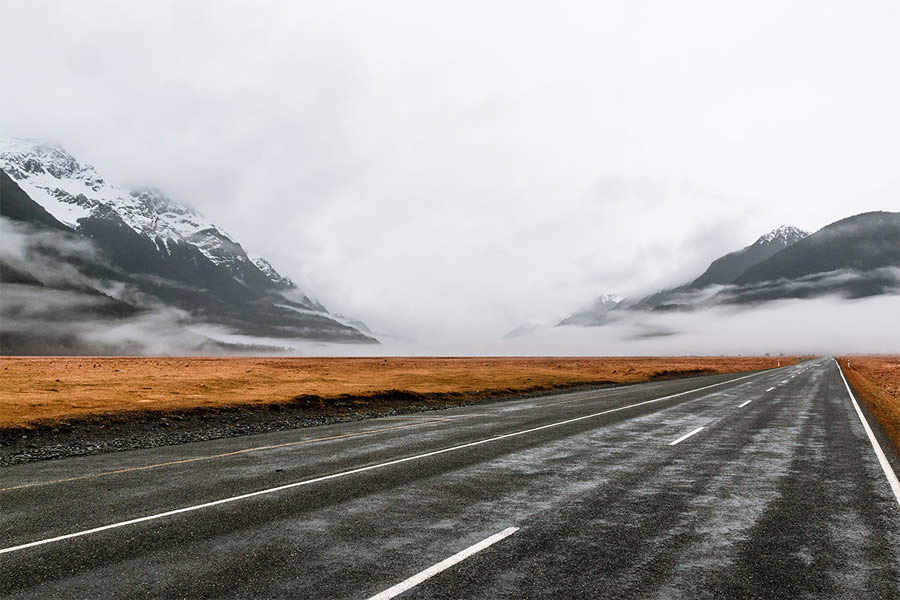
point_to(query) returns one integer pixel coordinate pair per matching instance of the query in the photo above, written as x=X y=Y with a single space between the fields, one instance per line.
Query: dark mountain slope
x=727 y=268
x=722 y=271
x=856 y=257
x=863 y=242
x=17 y=206
x=159 y=249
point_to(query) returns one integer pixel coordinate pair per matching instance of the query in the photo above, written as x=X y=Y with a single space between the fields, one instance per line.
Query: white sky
x=449 y=170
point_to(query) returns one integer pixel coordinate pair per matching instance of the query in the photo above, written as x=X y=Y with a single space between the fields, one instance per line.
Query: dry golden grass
x=51 y=389
x=877 y=379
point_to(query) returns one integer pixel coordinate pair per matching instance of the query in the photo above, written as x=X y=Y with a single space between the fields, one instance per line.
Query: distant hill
x=727 y=268
x=144 y=249
x=595 y=314
x=721 y=271
x=856 y=257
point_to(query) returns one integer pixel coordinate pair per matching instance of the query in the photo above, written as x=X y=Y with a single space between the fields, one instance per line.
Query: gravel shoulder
x=117 y=432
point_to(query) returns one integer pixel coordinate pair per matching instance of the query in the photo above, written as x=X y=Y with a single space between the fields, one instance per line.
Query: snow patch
x=785 y=235
x=71 y=191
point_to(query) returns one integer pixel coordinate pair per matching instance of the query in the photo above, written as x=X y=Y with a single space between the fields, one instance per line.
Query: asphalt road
x=773 y=490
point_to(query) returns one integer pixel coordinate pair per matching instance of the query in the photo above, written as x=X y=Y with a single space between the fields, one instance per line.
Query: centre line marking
x=445 y=564
x=339 y=474
x=744 y=404
x=770 y=389
x=686 y=436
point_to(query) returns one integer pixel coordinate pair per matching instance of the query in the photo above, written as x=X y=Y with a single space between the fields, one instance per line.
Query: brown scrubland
x=45 y=390
x=877 y=380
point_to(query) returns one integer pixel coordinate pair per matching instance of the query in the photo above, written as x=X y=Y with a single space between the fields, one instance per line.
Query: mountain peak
x=71 y=191
x=596 y=313
x=726 y=269
x=786 y=235
x=28 y=158
x=148 y=247
x=607 y=299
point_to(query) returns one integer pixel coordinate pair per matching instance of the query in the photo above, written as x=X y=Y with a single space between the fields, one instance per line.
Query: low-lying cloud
x=73 y=313
x=52 y=307
x=823 y=326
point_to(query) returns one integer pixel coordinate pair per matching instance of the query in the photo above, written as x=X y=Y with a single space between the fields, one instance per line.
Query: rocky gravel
x=131 y=431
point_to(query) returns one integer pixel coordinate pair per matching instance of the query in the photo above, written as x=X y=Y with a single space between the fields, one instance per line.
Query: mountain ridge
x=729 y=267
x=853 y=256
x=148 y=243
x=70 y=191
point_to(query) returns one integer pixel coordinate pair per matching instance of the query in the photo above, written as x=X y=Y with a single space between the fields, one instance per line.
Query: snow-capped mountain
x=71 y=191
x=595 y=314
x=721 y=271
x=786 y=235
x=726 y=269
x=856 y=257
x=161 y=248
x=270 y=272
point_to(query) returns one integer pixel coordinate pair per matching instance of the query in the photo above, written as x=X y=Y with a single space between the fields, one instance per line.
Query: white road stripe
x=745 y=403
x=770 y=389
x=785 y=381
x=397 y=461
x=882 y=459
x=686 y=436
x=443 y=565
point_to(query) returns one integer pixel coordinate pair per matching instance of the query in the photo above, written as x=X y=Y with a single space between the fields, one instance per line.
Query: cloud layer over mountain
x=448 y=172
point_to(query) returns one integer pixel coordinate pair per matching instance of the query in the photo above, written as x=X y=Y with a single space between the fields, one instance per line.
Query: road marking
x=882 y=459
x=226 y=454
x=785 y=381
x=686 y=436
x=419 y=420
x=745 y=403
x=396 y=461
x=445 y=564
x=589 y=395
x=770 y=389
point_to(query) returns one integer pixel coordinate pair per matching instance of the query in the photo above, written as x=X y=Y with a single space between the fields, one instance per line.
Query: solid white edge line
x=397 y=461
x=882 y=459
x=686 y=436
x=745 y=403
x=445 y=564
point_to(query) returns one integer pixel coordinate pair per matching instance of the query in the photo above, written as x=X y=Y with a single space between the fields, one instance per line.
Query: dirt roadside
x=58 y=407
x=877 y=382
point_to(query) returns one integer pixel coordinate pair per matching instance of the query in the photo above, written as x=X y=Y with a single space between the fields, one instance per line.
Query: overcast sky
x=441 y=169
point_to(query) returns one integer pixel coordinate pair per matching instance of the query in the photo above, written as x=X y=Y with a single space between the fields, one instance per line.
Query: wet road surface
x=760 y=485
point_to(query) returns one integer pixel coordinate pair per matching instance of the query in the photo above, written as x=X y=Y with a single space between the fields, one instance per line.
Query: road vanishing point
x=773 y=484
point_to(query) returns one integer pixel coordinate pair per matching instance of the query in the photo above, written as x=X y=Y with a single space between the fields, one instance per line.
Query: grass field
x=877 y=379
x=42 y=390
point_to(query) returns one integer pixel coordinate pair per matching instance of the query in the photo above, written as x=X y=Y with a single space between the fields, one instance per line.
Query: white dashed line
x=340 y=474
x=770 y=389
x=686 y=436
x=443 y=565
x=744 y=404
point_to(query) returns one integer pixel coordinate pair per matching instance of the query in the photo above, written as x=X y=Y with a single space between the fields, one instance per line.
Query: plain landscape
x=877 y=380
x=378 y=300
x=52 y=407
x=46 y=390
